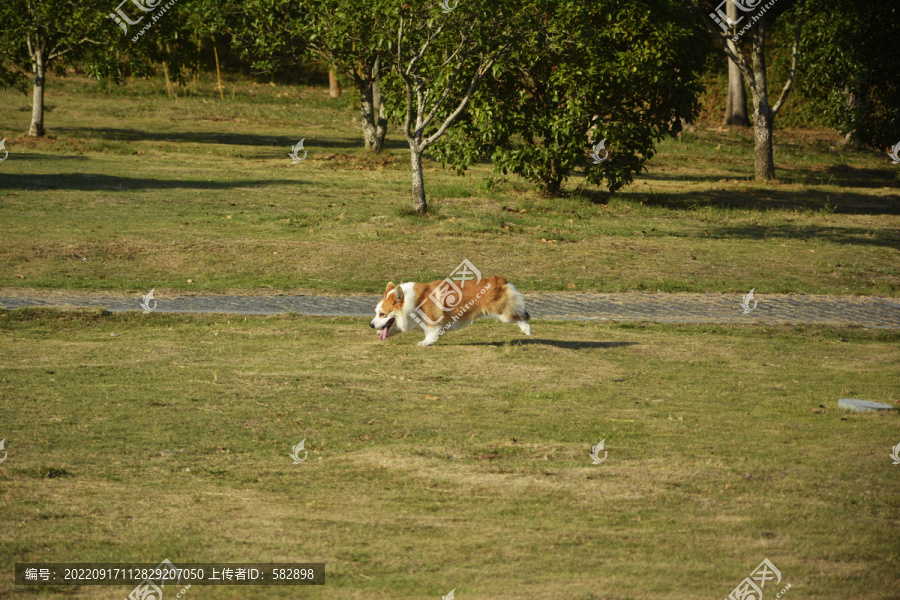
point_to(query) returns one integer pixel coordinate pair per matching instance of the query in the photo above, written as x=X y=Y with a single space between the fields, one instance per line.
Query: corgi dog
x=439 y=306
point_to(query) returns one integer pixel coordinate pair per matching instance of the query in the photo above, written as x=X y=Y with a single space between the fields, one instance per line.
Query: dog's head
x=388 y=311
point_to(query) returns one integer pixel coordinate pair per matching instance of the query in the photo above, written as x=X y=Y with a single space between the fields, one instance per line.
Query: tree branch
x=737 y=57
x=795 y=53
x=431 y=37
x=479 y=73
x=407 y=83
x=420 y=104
x=416 y=88
x=51 y=56
x=447 y=89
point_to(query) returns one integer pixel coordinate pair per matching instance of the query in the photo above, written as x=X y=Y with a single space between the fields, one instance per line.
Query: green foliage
x=349 y=33
x=621 y=71
x=278 y=34
x=64 y=28
x=851 y=72
x=270 y=34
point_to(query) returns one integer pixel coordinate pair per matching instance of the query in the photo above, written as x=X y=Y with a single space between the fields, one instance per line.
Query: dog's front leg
x=431 y=337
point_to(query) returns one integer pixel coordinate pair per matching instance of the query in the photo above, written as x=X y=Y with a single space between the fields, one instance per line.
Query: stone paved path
x=883 y=313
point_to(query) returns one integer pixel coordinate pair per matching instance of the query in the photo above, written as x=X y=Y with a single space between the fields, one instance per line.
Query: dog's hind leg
x=519 y=320
x=525 y=327
x=515 y=311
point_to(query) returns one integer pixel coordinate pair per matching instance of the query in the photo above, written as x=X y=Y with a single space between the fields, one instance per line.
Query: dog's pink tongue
x=383 y=334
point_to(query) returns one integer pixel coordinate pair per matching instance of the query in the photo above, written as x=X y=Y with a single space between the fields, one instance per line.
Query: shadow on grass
x=691 y=177
x=214 y=137
x=855 y=236
x=47 y=157
x=568 y=345
x=840 y=175
x=765 y=199
x=83 y=182
x=847 y=176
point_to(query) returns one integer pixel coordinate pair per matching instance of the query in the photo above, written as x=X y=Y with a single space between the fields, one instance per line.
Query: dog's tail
x=517 y=303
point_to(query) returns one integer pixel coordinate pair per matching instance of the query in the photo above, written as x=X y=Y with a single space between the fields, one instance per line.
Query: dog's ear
x=389 y=287
x=398 y=291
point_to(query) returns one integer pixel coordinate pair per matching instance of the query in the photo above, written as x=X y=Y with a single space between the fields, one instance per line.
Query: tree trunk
x=554 y=183
x=374 y=128
x=856 y=103
x=380 y=114
x=763 y=119
x=418 y=184
x=763 y=125
x=334 y=88
x=168 y=82
x=374 y=117
x=218 y=73
x=39 y=69
x=736 y=104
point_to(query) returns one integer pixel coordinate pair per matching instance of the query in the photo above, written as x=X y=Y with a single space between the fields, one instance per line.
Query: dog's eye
x=381 y=315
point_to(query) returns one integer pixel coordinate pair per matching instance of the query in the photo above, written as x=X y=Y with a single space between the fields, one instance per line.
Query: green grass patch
x=133 y=190
x=141 y=437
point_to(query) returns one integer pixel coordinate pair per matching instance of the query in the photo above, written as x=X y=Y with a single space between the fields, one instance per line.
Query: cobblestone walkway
x=872 y=312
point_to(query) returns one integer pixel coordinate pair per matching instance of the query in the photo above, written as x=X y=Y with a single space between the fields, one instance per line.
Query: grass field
x=139 y=437
x=134 y=190
x=134 y=438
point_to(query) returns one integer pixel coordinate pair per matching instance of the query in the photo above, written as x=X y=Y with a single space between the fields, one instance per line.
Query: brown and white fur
x=437 y=307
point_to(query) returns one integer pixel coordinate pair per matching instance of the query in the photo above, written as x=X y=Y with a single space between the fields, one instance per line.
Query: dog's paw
x=427 y=342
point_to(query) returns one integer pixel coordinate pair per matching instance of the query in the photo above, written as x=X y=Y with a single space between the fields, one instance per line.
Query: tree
x=441 y=59
x=754 y=69
x=152 y=33
x=736 y=101
x=350 y=36
x=851 y=73
x=334 y=86
x=585 y=74
x=356 y=38
x=49 y=36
